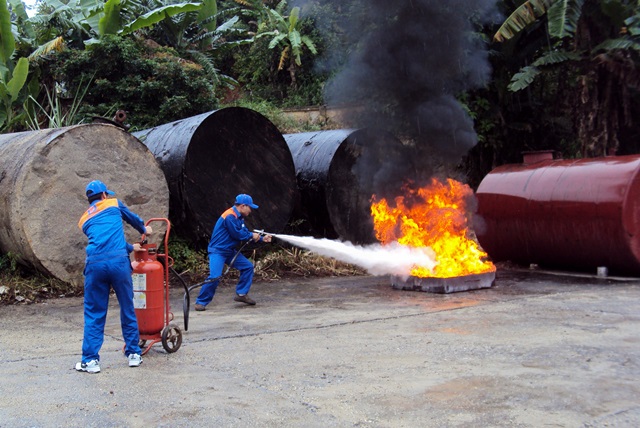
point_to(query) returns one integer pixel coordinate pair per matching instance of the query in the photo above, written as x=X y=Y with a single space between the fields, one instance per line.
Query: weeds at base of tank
x=22 y=285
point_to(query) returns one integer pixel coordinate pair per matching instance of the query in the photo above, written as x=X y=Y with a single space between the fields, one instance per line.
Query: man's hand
x=137 y=247
x=256 y=237
x=148 y=230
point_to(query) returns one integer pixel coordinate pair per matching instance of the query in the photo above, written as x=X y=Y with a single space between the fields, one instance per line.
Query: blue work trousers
x=216 y=264
x=99 y=277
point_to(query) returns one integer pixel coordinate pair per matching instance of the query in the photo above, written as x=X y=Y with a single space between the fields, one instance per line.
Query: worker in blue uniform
x=228 y=232
x=108 y=266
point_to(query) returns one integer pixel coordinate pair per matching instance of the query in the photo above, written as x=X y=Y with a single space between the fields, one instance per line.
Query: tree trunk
x=292 y=74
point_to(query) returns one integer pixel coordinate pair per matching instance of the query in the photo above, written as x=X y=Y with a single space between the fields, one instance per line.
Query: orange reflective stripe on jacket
x=96 y=209
x=229 y=211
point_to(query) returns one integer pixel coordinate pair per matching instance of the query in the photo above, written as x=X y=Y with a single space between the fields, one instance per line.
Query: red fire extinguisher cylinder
x=148 y=290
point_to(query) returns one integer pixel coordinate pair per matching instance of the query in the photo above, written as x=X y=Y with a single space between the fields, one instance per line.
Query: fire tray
x=445 y=285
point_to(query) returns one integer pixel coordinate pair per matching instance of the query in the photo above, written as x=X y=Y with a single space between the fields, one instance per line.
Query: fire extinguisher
x=148 y=290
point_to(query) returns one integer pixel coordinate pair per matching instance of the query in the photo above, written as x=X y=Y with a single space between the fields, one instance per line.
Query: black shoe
x=199 y=307
x=244 y=299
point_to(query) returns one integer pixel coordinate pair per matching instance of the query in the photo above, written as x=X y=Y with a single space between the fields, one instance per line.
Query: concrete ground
x=535 y=350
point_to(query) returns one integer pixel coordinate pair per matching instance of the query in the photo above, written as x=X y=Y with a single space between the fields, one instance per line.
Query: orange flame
x=433 y=216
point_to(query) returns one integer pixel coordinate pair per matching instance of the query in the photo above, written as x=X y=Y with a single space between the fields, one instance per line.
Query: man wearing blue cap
x=228 y=232
x=107 y=266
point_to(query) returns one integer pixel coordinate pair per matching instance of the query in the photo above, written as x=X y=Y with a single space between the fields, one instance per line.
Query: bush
x=153 y=84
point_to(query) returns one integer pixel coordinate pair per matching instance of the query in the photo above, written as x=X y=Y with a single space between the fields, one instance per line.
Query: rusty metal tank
x=571 y=214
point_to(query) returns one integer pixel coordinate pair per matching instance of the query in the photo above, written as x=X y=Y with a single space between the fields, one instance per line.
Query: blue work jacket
x=228 y=232
x=102 y=223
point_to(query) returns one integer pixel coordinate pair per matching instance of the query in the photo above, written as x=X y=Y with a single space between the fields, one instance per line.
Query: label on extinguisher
x=139 y=290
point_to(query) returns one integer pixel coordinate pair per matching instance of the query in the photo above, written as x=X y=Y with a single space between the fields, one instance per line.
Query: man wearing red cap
x=228 y=232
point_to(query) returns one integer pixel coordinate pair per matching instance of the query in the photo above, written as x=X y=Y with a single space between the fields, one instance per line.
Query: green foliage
x=153 y=84
x=563 y=18
x=7 y=41
x=9 y=261
x=589 y=53
x=621 y=44
x=286 y=33
x=89 y=21
x=523 y=78
x=526 y=75
x=55 y=111
x=162 y=13
x=186 y=258
x=110 y=21
x=270 y=111
x=13 y=74
x=522 y=17
x=256 y=67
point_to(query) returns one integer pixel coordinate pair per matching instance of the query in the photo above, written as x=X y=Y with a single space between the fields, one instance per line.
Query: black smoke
x=406 y=63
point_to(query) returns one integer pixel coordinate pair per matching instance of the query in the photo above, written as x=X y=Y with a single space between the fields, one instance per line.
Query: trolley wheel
x=171 y=338
x=142 y=343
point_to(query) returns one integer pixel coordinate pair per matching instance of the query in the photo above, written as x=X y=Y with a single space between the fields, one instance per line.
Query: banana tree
x=112 y=19
x=285 y=33
x=200 y=38
x=86 y=21
x=595 y=44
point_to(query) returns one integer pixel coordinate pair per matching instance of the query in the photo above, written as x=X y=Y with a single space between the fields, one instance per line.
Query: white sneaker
x=92 y=366
x=134 y=360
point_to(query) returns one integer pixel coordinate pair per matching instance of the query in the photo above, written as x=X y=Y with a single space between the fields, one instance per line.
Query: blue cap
x=245 y=200
x=96 y=187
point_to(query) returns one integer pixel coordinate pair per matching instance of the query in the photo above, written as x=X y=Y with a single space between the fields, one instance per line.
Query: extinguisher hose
x=186 y=300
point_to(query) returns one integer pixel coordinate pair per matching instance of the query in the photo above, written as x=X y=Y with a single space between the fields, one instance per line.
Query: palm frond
x=294 y=38
x=293 y=18
x=278 y=18
x=227 y=25
x=280 y=7
x=206 y=63
x=274 y=42
x=621 y=43
x=522 y=17
x=523 y=78
x=563 y=18
x=55 y=45
x=633 y=25
x=309 y=43
x=556 y=57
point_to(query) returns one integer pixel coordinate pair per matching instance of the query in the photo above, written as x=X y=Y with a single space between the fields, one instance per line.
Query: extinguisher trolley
x=151 y=294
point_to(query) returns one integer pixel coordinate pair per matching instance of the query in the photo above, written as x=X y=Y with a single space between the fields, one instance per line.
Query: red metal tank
x=575 y=214
x=148 y=290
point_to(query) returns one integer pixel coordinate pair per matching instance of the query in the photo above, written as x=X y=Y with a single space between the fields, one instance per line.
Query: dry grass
x=271 y=265
x=22 y=285
x=287 y=263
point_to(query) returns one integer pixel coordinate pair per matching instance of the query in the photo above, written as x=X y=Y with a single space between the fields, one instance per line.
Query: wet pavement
x=536 y=349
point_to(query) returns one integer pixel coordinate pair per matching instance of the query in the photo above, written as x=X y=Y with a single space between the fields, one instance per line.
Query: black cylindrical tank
x=575 y=214
x=210 y=158
x=338 y=171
